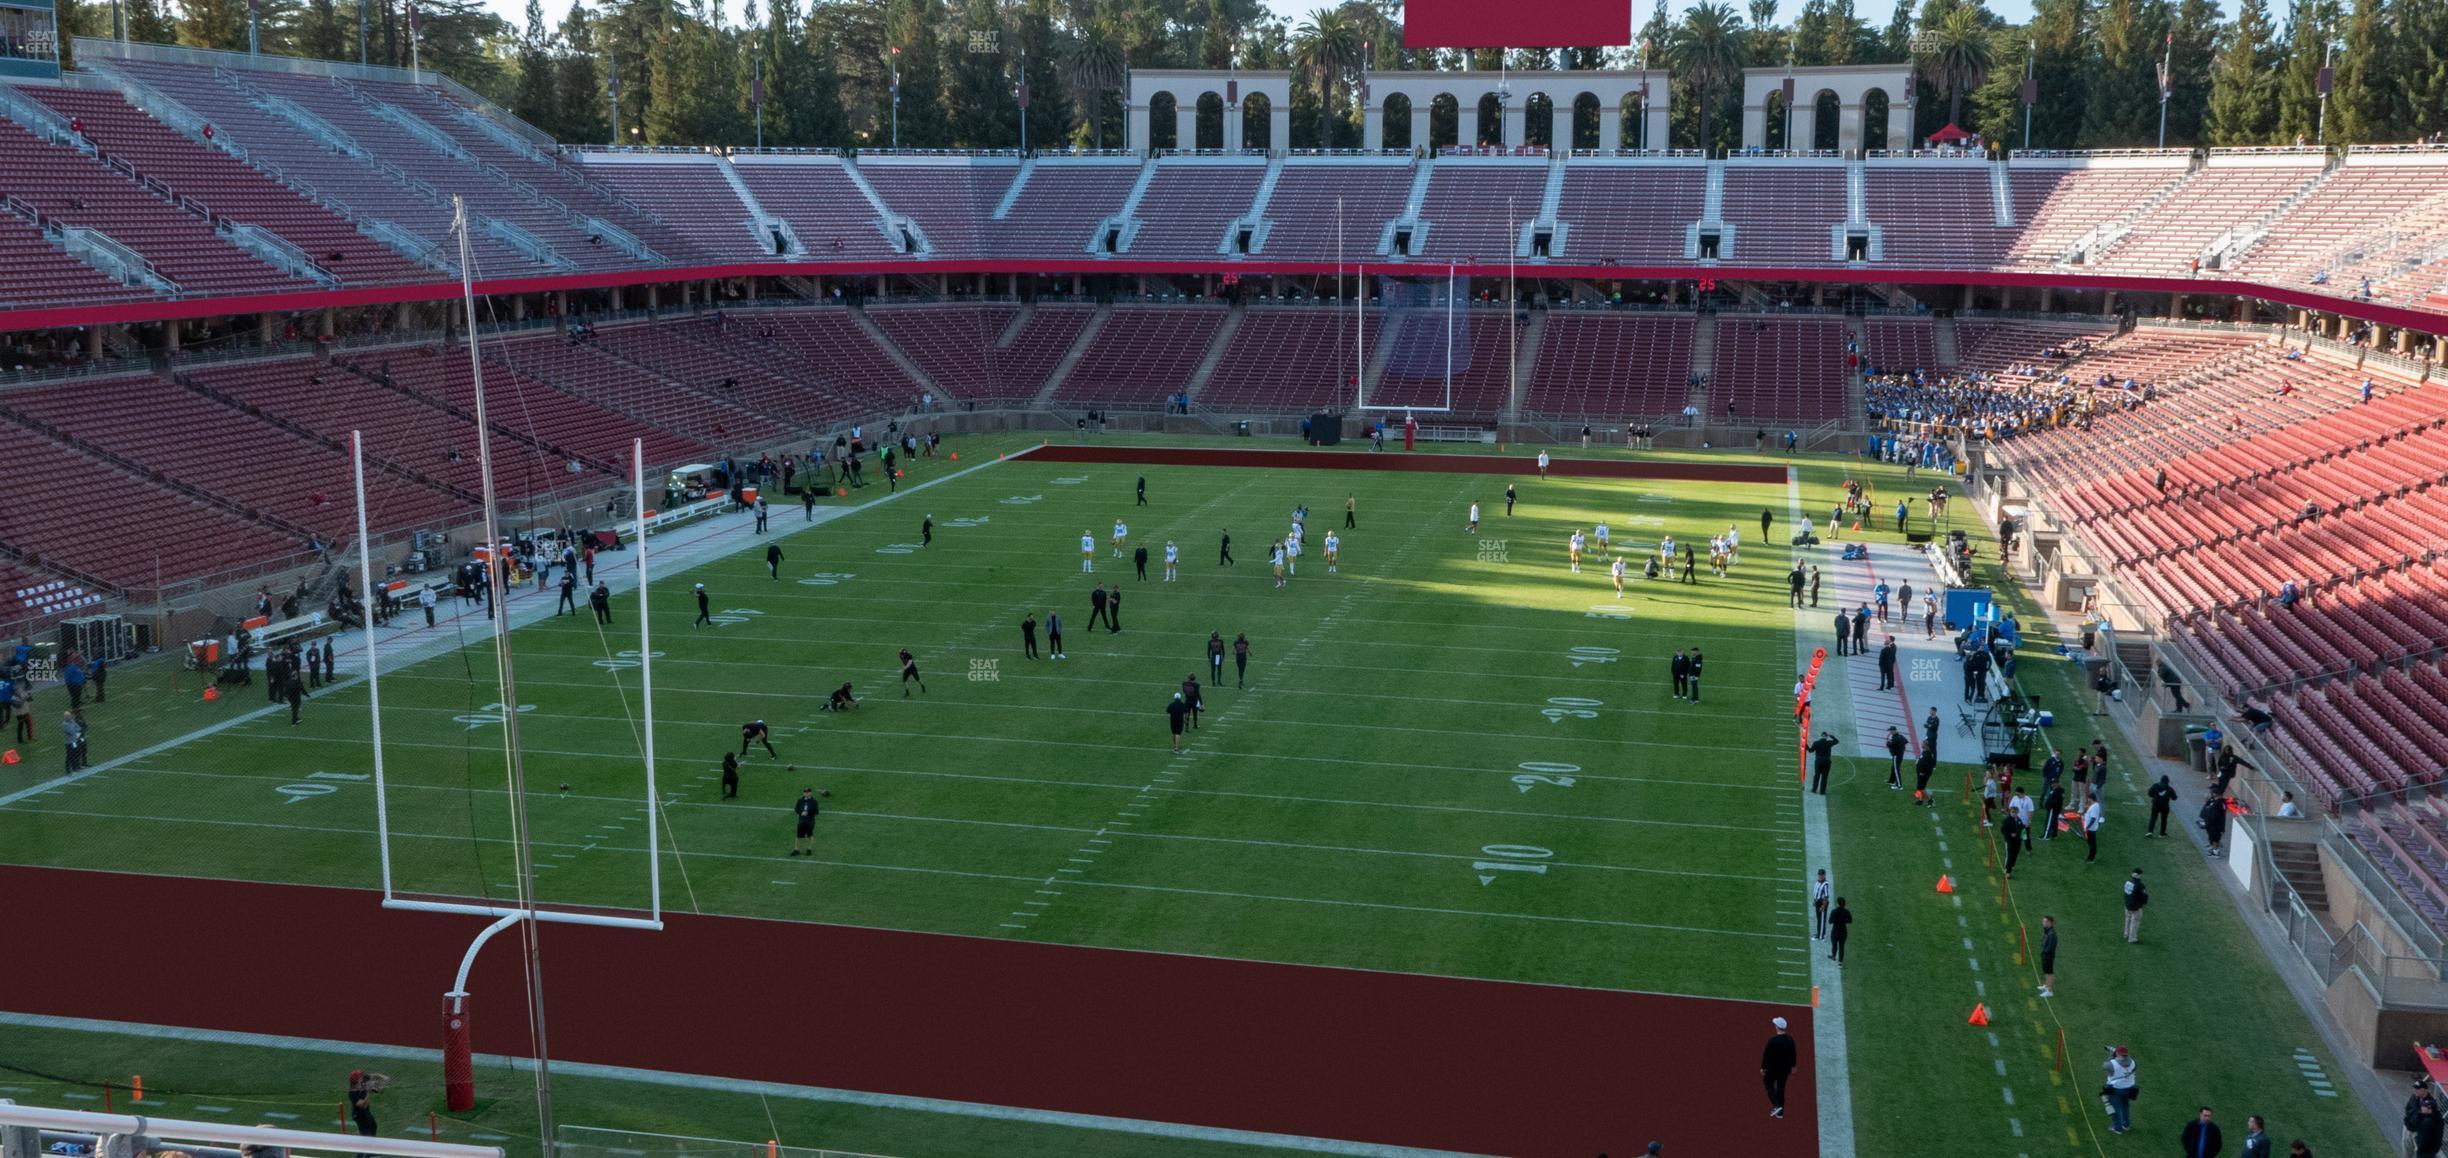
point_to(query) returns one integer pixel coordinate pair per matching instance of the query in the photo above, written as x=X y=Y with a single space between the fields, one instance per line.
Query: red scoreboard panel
x=1516 y=23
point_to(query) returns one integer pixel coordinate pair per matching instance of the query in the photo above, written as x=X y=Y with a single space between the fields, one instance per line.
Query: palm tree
x=1326 y=52
x=1094 y=66
x=1957 y=57
x=1707 y=49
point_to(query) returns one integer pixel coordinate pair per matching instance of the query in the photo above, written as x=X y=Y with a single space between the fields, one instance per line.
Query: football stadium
x=1969 y=483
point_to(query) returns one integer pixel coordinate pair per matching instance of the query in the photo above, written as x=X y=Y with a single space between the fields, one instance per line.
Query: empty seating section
x=215 y=449
x=1044 y=339
x=952 y=202
x=560 y=184
x=823 y=205
x=36 y=272
x=1293 y=359
x=2168 y=238
x=1059 y=207
x=1988 y=347
x=955 y=346
x=487 y=188
x=2358 y=205
x=720 y=356
x=1424 y=352
x=84 y=530
x=227 y=187
x=73 y=189
x=1628 y=213
x=1611 y=365
x=692 y=194
x=1896 y=345
x=1310 y=199
x=27 y=595
x=1783 y=214
x=1936 y=216
x=1189 y=205
x=597 y=375
x=399 y=429
x=368 y=189
x=2056 y=207
x=832 y=348
x=1778 y=370
x=525 y=408
x=358 y=173
x=1143 y=354
x=1477 y=209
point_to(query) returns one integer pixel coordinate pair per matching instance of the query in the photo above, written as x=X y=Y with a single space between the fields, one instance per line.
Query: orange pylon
x=1945 y=885
x=1980 y=1015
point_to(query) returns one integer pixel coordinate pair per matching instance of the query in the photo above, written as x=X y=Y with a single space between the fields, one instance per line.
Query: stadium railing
x=33 y=1131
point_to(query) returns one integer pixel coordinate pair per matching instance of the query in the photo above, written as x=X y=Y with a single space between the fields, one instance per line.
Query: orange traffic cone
x=1945 y=885
x=1980 y=1015
x=10 y=757
x=211 y=694
x=956 y=456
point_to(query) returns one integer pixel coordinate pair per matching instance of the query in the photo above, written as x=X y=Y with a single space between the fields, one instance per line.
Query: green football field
x=1452 y=756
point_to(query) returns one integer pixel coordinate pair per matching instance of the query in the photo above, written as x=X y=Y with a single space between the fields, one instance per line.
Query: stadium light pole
x=2167 y=86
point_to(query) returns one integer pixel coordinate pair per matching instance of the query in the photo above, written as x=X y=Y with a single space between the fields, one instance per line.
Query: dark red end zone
x=1388 y=1058
x=1520 y=464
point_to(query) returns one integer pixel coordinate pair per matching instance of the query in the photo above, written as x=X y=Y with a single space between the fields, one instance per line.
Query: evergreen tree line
x=950 y=73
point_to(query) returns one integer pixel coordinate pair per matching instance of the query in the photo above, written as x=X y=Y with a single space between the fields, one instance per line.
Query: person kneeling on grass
x=841 y=700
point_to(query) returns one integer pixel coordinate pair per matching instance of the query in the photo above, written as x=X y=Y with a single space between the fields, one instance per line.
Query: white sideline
x=1835 y=1085
x=1171 y=1131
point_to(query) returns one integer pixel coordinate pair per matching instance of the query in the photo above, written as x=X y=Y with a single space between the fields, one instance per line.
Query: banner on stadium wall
x=1516 y=24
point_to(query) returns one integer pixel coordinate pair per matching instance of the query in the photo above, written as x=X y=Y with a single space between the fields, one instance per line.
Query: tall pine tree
x=2359 y=108
x=2309 y=28
x=2243 y=85
x=580 y=104
x=536 y=94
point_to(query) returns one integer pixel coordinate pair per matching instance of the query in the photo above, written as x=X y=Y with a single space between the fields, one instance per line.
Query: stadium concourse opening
x=1566 y=558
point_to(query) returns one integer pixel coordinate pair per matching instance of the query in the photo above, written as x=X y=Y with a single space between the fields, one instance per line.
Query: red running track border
x=1525 y=464
x=1389 y=1058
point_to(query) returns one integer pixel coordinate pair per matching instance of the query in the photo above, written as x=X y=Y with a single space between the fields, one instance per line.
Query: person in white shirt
x=1602 y=537
x=2287 y=807
x=1120 y=534
x=1733 y=540
x=1277 y=553
x=1088 y=552
x=1333 y=545
x=1292 y=550
x=1542 y=464
x=1617 y=568
x=1473 y=528
x=1172 y=560
x=1572 y=547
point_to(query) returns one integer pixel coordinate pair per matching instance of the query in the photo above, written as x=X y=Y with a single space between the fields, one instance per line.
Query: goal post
x=1425 y=335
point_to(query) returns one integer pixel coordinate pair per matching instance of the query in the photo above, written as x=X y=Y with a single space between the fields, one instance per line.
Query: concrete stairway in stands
x=1525 y=359
x=1942 y=331
x=1071 y=357
x=900 y=357
x=1215 y=351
